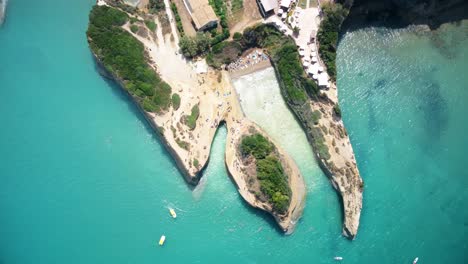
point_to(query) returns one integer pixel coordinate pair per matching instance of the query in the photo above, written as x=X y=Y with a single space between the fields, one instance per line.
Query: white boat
x=162 y=239
x=338 y=258
x=173 y=213
x=415 y=260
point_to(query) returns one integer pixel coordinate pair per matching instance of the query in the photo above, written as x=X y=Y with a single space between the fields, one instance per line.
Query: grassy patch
x=315 y=116
x=151 y=25
x=319 y=143
x=183 y=144
x=195 y=163
x=237 y=5
x=124 y=56
x=134 y=28
x=175 y=101
x=191 y=120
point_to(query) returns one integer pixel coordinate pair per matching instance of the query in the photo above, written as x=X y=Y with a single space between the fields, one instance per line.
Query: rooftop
x=201 y=11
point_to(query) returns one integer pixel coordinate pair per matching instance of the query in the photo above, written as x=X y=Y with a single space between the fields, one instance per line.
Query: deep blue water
x=84 y=180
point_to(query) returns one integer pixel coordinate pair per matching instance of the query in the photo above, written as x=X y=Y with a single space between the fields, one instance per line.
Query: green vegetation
x=182 y=144
x=180 y=28
x=134 y=28
x=175 y=101
x=237 y=5
x=327 y=36
x=237 y=36
x=219 y=7
x=256 y=145
x=315 y=116
x=337 y=110
x=156 y=6
x=194 y=46
x=151 y=25
x=124 y=56
x=191 y=120
x=133 y=20
x=223 y=53
x=195 y=163
x=273 y=181
x=319 y=143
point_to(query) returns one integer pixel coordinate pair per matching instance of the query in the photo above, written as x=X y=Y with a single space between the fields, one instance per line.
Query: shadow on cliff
x=400 y=14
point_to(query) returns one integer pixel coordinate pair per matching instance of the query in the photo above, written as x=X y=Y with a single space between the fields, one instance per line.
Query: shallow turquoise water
x=84 y=180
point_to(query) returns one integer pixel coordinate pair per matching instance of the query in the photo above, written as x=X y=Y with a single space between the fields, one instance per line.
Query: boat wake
x=3 y=4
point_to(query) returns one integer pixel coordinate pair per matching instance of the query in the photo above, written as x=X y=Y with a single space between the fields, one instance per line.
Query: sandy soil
x=249 y=16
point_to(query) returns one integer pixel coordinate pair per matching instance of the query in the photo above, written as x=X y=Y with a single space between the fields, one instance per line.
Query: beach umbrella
x=313 y=54
x=314 y=76
x=320 y=69
x=306 y=64
x=314 y=59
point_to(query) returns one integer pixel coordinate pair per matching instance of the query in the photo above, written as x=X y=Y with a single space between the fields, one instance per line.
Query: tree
x=203 y=43
x=188 y=47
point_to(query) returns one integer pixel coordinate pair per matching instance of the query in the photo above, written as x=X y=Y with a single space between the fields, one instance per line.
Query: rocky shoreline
x=340 y=166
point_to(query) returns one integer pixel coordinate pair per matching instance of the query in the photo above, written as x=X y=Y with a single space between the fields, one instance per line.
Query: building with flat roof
x=267 y=7
x=202 y=14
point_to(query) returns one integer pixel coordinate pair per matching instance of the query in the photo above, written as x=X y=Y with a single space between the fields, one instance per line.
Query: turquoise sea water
x=84 y=180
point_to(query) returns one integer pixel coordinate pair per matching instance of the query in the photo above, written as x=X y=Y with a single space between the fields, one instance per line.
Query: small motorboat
x=162 y=239
x=338 y=258
x=173 y=213
x=415 y=260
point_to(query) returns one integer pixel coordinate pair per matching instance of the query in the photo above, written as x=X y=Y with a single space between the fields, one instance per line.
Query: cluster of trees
x=327 y=36
x=194 y=46
x=223 y=53
x=273 y=181
x=124 y=56
x=156 y=6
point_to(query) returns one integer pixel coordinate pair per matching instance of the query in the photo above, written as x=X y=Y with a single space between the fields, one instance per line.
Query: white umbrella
x=301 y=53
x=312 y=48
x=306 y=64
x=313 y=54
x=314 y=76
x=314 y=59
x=320 y=69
